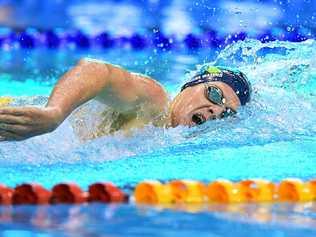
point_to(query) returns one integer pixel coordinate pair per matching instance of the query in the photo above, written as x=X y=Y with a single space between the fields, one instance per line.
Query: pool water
x=273 y=138
x=126 y=220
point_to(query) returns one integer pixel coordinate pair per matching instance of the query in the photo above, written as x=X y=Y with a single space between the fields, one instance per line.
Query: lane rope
x=153 y=192
x=31 y=38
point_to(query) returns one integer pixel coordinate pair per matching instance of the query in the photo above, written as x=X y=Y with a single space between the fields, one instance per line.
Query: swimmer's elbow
x=86 y=60
x=97 y=67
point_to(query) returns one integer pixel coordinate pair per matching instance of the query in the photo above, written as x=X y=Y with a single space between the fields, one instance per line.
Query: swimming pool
x=272 y=138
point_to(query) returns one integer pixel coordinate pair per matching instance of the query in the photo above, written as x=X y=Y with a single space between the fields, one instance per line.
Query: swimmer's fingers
x=17 y=132
x=14 y=119
x=22 y=131
x=14 y=124
x=14 y=128
x=26 y=122
x=25 y=112
x=32 y=116
x=16 y=111
x=9 y=136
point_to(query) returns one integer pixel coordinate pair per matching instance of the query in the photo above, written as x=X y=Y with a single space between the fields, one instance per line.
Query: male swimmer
x=213 y=93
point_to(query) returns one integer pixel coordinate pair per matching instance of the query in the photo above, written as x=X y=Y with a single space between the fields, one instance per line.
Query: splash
x=279 y=123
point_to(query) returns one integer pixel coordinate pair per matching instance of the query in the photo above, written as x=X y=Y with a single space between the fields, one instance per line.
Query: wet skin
x=119 y=89
x=193 y=102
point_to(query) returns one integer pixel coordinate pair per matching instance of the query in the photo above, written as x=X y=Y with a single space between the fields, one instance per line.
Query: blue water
x=273 y=138
x=123 y=220
x=178 y=17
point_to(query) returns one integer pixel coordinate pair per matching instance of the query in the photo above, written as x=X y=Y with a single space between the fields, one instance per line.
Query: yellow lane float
x=5 y=101
x=312 y=186
x=256 y=190
x=187 y=191
x=223 y=191
x=295 y=190
x=152 y=192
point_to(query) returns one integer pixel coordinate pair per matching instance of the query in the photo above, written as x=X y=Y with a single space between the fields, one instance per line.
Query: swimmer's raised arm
x=88 y=79
x=110 y=84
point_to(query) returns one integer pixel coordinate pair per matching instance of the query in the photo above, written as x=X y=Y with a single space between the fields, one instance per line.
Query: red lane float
x=68 y=193
x=5 y=195
x=106 y=193
x=32 y=193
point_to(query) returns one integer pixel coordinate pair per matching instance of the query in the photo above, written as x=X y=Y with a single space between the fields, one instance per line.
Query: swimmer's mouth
x=198 y=119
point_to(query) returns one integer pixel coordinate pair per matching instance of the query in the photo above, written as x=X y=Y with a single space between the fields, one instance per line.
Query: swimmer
x=212 y=93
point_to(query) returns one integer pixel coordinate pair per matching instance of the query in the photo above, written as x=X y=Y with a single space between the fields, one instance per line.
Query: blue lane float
x=51 y=39
x=33 y=38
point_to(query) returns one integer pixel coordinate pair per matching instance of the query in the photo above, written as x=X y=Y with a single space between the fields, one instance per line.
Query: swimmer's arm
x=110 y=84
x=88 y=79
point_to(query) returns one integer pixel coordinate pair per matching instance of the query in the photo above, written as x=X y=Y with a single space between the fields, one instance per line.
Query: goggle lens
x=215 y=95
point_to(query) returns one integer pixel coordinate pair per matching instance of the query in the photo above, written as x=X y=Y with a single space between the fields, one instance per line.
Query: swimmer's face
x=192 y=105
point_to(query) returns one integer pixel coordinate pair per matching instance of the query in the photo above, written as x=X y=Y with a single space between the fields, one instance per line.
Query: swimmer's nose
x=212 y=112
x=209 y=113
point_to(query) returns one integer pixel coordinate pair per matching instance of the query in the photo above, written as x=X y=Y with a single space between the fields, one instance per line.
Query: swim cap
x=232 y=77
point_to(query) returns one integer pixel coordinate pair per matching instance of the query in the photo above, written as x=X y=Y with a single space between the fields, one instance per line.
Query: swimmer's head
x=214 y=92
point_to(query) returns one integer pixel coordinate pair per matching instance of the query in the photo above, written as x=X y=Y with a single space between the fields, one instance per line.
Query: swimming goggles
x=216 y=96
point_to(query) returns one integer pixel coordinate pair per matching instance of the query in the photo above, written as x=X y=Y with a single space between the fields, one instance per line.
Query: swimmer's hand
x=19 y=123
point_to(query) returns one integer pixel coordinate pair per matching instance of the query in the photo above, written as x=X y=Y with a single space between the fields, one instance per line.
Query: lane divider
x=5 y=195
x=30 y=194
x=257 y=190
x=106 y=193
x=31 y=38
x=153 y=192
x=67 y=193
x=63 y=193
x=225 y=191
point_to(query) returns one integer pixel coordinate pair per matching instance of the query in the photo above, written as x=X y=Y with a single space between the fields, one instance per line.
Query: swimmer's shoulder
x=147 y=87
x=153 y=90
x=135 y=75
